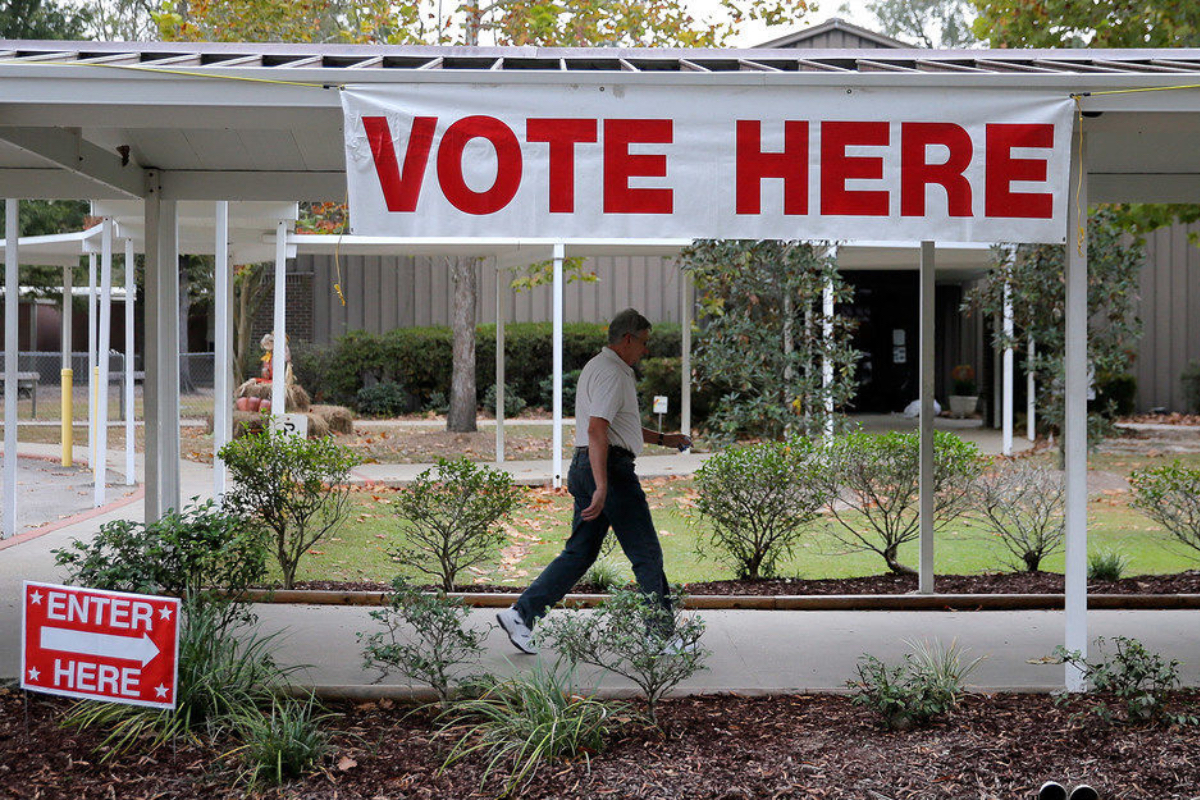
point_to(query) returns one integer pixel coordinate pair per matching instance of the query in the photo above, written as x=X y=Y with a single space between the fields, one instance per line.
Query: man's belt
x=612 y=448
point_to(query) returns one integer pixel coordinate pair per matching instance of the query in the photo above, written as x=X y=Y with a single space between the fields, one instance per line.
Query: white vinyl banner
x=653 y=162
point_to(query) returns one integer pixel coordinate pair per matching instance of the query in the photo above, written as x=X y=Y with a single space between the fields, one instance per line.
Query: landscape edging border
x=831 y=602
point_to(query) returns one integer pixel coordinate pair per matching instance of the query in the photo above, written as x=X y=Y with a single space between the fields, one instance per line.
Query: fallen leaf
x=346 y=762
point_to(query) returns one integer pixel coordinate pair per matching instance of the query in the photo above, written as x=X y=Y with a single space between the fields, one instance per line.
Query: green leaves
x=1171 y=497
x=294 y=488
x=1137 y=679
x=760 y=500
x=929 y=682
x=454 y=513
x=761 y=344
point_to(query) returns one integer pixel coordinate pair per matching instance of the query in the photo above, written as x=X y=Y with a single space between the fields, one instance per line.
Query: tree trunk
x=461 y=418
x=186 y=384
x=889 y=555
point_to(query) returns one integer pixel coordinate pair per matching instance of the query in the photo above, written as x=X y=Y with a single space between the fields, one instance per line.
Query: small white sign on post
x=293 y=424
x=660 y=404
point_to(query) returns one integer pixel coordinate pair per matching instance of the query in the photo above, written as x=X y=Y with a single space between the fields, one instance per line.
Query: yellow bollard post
x=68 y=417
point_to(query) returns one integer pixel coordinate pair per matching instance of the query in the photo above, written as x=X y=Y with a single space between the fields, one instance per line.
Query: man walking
x=608 y=437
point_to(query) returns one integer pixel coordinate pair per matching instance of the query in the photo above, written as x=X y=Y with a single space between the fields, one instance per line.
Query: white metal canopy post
x=1030 y=395
x=499 y=367
x=162 y=353
x=100 y=466
x=1075 y=414
x=685 y=371
x=1008 y=370
x=827 y=341
x=556 y=456
x=223 y=379
x=12 y=280
x=926 y=423
x=130 y=410
x=91 y=361
x=67 y=374
x=278 y=359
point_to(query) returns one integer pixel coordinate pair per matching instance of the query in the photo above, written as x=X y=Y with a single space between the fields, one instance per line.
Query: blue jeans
x=626 y=512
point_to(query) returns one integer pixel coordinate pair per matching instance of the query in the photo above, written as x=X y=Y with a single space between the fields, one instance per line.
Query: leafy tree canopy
x=927 y=23
x=42 y=19
x=1072 y=23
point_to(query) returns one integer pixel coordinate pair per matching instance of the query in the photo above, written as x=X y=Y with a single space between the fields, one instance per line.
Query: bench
x=26 y=381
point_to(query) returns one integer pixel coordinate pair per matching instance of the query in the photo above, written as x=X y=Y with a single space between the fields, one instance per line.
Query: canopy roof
x=263 y=121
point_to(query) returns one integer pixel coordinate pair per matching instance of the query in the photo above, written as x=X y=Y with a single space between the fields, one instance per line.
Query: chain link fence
x=39 y=378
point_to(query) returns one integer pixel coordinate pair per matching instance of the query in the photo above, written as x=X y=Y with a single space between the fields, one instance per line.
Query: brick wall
x=298 y=307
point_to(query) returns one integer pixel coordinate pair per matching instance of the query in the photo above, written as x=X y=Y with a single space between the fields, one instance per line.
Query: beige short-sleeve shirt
x=608 y=389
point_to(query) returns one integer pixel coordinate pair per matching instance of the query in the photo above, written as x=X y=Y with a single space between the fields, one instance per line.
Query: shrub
x=1116 y=395
x=1136 y=679
x=513 y=404
x=1190 y=378
x=295 y=488
x=1171 y=497
x=760 y=500
x=385 y=399
x=181 y=554
x=878 y=477
x=454 y=513
x=438 y=403
x=1106 y=565
x=222 y=671
x=627 y=635
x=312 y=365
x=284 y=745
x=605 y=575
x=426 y=638
x=570 y=384
x=527 y=720
x=1023 y=506
x=928 y=683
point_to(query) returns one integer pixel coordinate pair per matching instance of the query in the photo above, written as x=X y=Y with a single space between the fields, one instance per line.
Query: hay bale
x=296 y=399
x=318 y=428
x=247 y=422
x=339 y=419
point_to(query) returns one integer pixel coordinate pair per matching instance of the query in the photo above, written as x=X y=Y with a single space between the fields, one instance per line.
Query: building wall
x=383 y=293
x=1169 y=306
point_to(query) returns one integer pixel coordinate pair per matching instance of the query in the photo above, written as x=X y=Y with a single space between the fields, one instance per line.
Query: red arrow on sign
x=100 y=645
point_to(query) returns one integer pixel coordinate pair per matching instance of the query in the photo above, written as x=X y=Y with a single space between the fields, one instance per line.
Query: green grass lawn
x=358 y=552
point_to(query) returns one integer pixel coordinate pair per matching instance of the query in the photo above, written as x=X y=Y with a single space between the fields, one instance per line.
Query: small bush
x=928 y=683
x=454 y=514
x=1190 y=378
x=223 y=671
x=1171 y=497
x=513 y=404
x=605 y=575
x=438 y=403
x=1135 y=679
x=1107 y=565
x=385 y=399
x=878 y=477
x=426 y=638
x=182 y=554
x=294 y=488
x=1116 y=395
x=570 y=383
x=627 y=635
x=1023 y=506
x=526 y=721
x=760 y=500
x=283 y=746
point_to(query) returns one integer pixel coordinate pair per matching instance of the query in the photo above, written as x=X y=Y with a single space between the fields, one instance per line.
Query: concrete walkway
x=751 y=651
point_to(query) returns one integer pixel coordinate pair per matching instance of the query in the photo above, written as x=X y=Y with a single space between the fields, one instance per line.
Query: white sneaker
x=518 y=632
x=677 y=647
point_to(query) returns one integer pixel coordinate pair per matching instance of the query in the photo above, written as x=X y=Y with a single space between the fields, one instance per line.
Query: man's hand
x=678 y=441
x=597 y=506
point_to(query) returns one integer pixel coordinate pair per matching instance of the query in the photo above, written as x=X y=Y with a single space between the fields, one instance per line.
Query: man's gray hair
x=627 y=321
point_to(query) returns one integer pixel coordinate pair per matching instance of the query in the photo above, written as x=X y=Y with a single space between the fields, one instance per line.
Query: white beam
x=925 y=568
x=278 y=355
x=91 y=362
x=685 y=364
x=826 y=339
x=556 y=456
x=161 y=388
x=223 y=379
x=1075 y=415
x=1007 y=402
x=12 y=281
x=500 y=377
x=100 y=468
x=47 y=183
x=253 y=185
x=130 y=365
x=66 y=148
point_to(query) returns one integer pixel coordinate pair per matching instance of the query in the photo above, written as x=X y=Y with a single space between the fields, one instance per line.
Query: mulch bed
x=1000 y=747
x=1000 y=583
